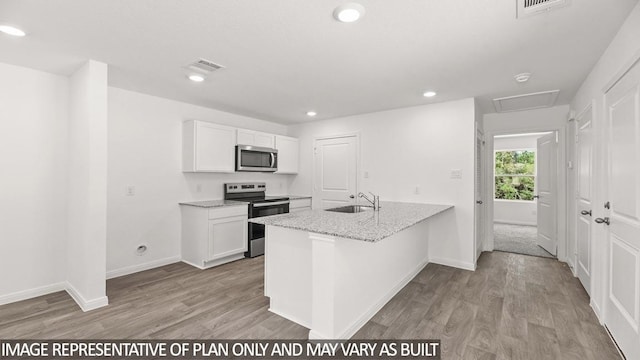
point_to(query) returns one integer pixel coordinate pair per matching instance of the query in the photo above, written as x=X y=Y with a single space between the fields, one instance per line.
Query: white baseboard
x=596 y=310
x=289 y=317
x=509 y=222
x=32 y=293
x=142 y=267
x=454 y=263
x=214 y=263
x=86 y=305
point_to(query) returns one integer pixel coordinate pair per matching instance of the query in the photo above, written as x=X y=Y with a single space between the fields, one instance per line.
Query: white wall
x=33 y=158
x=537 y=120
x=514 y=211
x=407 y=148
x=624 y=47
x=87 y=186
x=145 y=137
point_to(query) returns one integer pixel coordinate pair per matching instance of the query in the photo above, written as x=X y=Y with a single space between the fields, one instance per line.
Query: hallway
x=519 y=239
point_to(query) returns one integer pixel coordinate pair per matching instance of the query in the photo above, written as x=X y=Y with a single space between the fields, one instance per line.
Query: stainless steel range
x=259 y=205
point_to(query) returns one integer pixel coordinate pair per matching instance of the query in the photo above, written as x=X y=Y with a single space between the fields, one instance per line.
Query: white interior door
x=623 y=294
x=480 y=206
x=547 y=196
x=335 y=172
x=584 y=166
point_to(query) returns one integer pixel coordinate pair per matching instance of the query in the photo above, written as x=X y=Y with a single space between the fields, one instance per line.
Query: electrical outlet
x=456 y=174
x=198 y=187
x=417 y=190
x=130 y=190
x=366 y=174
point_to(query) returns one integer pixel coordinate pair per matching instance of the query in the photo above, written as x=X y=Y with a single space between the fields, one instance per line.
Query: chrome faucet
x=375 y=202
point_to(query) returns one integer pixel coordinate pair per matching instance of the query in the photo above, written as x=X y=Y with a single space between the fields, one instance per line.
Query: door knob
x=479 y=202
x=601 y=220
x=352 y=196
x=585 y=212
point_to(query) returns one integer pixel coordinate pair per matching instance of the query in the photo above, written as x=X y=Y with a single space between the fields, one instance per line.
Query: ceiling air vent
x=533 y=7
x=204 y=66
x=526 y=101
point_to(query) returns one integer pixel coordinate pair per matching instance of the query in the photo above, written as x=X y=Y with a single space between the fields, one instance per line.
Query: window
x=515 y=174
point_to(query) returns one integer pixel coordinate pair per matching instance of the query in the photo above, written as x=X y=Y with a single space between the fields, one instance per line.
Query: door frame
x=561 y=209
x=572 y=191
x=479 y=243
x=356 y=135
x=603 y=167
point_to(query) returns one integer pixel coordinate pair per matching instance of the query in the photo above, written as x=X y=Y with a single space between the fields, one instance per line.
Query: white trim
x=127 y=270
x=86 y=305
x=32 y=293
x=288 y=317
x=622 y=72
x=596 y=310
x=453 y=263
x=193 y=264
x=511 y=222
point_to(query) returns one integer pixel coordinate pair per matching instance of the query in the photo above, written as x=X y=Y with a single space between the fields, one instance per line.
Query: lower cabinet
x=213 y=236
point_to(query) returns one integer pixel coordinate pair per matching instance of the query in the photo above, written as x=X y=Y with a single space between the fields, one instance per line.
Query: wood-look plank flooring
x=512 y=307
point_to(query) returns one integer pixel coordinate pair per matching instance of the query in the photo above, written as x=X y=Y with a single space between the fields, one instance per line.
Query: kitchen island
x=331 y=272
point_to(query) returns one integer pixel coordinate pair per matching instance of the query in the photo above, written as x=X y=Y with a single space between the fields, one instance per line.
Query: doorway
x=524 y=193
x=335 y=180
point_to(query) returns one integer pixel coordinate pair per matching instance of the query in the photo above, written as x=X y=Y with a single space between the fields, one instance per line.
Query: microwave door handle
x=273 y=160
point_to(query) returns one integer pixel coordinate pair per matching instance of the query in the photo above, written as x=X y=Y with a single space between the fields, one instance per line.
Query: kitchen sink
x=351 y=209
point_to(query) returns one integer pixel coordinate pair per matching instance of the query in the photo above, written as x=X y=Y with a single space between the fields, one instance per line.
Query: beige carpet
x=519 y=239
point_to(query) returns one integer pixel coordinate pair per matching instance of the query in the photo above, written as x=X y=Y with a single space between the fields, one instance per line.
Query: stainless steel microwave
x=256 y=158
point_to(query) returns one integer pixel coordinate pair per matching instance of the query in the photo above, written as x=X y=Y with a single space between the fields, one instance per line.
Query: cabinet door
x=227 y=236
x=245 y=137
x=255 y=138
x=264 y=140
x=288 y=153
x=215 y=147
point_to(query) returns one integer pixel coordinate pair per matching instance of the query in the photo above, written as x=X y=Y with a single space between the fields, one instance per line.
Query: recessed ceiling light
x=522 y=78
x=429 y=94
x=311 y=113
x=348 y=12
x=196 y=78
x=10 y=30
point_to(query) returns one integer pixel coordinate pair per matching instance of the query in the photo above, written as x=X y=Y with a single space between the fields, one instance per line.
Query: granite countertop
x=298 y=197
x=214 y=203
x=372 y=226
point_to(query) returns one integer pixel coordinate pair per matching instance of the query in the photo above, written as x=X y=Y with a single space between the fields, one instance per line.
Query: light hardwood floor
x=512 y=307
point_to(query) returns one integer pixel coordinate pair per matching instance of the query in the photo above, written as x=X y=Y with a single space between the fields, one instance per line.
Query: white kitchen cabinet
x=288 y=154
x=208 y=147
x=300 y=205
x=255 y=138
x=213 y=236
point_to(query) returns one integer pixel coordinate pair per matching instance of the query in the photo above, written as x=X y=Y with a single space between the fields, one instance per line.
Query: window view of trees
x=515 y=174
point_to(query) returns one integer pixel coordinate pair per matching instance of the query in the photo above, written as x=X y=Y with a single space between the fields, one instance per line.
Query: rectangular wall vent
x=204 y=66
x=527 y=101
x=533 y=7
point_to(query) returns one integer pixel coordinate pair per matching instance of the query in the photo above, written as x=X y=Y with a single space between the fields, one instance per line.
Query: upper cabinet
x=288 y=153
x=208 y=147
x=255 y=138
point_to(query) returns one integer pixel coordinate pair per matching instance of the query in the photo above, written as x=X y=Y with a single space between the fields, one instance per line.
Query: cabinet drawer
x=228 y=211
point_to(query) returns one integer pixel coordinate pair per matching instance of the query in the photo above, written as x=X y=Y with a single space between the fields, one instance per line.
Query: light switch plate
x=130 y=190
x=456 y=174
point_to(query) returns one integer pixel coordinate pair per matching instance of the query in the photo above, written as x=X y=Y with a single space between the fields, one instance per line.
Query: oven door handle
x=270 y=204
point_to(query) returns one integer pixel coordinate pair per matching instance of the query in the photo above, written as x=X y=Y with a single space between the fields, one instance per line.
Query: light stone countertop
x=372 y=226
x=214 y=203
x=298 y=197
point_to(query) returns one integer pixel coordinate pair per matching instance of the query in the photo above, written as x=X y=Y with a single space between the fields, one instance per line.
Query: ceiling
x=285 y=57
